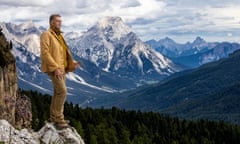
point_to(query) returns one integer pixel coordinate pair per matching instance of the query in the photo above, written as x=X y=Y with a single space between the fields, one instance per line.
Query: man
x=56 y=61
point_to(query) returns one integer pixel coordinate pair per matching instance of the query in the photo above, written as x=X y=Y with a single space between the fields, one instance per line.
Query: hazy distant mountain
x=210 y=91
x=170 y=48
x=166 y=47
x=221 y=50
x=193 y=54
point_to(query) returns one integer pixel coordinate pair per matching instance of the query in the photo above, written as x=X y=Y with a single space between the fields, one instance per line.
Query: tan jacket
x=52 y=53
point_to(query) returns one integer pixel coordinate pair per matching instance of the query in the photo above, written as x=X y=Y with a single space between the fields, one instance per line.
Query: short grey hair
x=52 y=16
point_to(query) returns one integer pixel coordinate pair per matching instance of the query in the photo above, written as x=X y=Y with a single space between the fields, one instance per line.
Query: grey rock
x=47 y=135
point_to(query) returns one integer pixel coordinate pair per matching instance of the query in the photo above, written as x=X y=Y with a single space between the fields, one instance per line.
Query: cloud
x=185 y=17
x=148 y=18
x=26 y=2
x=81 y=11
x=133 y=3
x=202 y=3
x=88 y=13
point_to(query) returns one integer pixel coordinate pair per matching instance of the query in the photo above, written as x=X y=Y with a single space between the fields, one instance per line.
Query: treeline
x=115 y=126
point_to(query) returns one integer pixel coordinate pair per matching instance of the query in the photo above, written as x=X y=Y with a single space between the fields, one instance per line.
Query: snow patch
x=76 y=78
x=37 y=86
x=110 y=54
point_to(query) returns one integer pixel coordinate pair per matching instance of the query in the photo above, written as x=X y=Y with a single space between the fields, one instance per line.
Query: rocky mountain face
x=14 y=107
x=8 y=81
x=113 y=47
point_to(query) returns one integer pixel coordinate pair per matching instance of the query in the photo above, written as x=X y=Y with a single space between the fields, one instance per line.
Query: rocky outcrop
x=14 y=107
x=8 y=81
x=9 y=135
x=47 y=135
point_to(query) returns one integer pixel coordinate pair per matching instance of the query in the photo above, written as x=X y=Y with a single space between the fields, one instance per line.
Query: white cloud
x=181 y=19
x=184 y=18
x=88 y=13
x=132 y=3
x=26 y=2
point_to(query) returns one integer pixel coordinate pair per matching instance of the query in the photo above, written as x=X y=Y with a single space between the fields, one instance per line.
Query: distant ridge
x=210 y=91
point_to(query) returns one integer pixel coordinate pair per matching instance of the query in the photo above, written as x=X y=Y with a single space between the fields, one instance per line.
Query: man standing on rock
x=56 y=61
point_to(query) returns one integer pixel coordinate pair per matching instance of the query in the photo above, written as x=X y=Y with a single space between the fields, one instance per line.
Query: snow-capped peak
x=113 y=47
x=72 y=35
x=167 y=42
x=114 y=25
x=26 y=34
x=26 y=25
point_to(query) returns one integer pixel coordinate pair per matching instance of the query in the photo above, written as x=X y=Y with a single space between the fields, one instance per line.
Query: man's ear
x=51 y=23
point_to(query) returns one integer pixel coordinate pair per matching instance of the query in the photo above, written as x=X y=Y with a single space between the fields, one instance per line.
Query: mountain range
x=195 y=54
x=114 y=48
x=113 y=59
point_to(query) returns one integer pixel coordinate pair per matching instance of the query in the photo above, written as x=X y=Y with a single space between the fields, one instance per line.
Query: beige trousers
x=58 y=99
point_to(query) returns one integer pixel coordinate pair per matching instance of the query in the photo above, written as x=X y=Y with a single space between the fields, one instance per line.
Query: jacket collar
x=53 y=33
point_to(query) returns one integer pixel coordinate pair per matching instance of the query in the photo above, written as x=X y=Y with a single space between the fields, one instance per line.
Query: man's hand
x=58 y=74
x=76 y=64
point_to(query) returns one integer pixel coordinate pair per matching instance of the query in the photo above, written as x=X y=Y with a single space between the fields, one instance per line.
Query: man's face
x=56 y=22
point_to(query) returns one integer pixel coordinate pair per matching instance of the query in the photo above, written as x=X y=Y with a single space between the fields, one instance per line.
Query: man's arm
x=45 y=54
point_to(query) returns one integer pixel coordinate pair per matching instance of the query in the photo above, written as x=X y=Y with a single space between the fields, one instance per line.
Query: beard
x=56 y=30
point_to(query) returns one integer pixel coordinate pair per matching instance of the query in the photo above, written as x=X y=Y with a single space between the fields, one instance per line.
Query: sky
x=181 y=20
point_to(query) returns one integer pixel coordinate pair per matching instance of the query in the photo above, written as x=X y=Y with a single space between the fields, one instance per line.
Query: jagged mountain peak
x=167 y=41
x=26 y=34
x=27 y=24
x=113 y=47
x=113 y=25
x=198 y=41
x=72 y=35
x=25 y=28
x=110 y=20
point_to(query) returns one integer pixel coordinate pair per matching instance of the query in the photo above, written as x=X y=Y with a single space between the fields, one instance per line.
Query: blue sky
x=181 y=20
